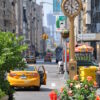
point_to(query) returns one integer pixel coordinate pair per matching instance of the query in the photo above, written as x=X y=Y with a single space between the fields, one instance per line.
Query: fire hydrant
x=53 y=95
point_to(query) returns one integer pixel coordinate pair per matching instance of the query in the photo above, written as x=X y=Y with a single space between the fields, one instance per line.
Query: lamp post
x=65 y=35
x=72 y=8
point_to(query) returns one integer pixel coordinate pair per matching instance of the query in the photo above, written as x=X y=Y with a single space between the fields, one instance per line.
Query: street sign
x=60 y=23
x=88 y=36
x=57 y=7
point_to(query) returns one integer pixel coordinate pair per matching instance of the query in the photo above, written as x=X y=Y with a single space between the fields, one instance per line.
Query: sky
x=48 y=18
x=47 y=9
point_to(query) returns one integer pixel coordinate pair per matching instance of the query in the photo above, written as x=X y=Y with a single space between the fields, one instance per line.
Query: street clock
x=71 y=8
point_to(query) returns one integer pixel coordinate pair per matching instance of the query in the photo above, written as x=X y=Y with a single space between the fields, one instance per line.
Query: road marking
x=53 y=85
x=46 y=72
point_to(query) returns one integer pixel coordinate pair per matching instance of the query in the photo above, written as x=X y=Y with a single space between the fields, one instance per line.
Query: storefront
x=93 y=40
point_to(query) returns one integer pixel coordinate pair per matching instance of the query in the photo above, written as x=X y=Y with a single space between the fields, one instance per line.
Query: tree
x=10 y=53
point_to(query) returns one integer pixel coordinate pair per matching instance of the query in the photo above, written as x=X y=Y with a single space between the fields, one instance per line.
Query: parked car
x=47 y=58
x=30 y=76
x=30 y=59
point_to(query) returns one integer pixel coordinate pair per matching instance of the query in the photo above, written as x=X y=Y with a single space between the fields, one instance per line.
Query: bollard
x=53 y=95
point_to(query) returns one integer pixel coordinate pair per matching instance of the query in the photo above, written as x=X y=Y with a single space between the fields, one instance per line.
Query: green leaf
x=11 y=50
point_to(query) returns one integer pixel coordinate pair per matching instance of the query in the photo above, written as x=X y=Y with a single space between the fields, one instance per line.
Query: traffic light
x=44 y=36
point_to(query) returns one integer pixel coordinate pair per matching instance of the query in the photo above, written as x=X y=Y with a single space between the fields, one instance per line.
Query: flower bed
x=76 y=90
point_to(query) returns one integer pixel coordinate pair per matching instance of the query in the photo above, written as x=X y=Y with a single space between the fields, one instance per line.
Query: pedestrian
x=60 y=67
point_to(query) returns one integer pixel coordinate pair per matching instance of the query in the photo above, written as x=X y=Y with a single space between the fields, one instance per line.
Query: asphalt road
x=54 y=81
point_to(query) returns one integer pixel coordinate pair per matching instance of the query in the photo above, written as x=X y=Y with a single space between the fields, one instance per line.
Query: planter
x=76 y=90
x=4 y=98
x=65 y=34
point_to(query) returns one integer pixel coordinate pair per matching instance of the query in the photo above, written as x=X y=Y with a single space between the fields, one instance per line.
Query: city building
x=88 y=22
x=19 y=17
x=32 y=25
x=39 y=27
x=7 y=15
x=23 y=17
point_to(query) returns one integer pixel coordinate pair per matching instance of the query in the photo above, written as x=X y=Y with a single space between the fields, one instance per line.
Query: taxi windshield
x=30 y=68
x=27 y=68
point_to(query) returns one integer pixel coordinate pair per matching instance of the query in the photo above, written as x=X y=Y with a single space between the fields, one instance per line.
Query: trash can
x=84 y=72
x=98 y=78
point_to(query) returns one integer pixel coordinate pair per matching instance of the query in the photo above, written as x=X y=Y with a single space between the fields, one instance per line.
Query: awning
x=84 y=48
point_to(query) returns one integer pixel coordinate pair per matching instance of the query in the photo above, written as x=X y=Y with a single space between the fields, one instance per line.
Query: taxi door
x=43 y=76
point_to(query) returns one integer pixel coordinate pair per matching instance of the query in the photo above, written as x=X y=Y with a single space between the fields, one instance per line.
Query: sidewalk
x=98 y=92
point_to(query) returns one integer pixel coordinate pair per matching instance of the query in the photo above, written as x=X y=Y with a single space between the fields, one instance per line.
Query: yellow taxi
x=30 y=76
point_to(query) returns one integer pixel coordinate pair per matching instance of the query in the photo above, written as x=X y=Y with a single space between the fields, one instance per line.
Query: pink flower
x=61 y=89
x=89 y=78
x=70 y=93
x=76 y=78
x=86 y=86
x=71 y=84
x=95 y=84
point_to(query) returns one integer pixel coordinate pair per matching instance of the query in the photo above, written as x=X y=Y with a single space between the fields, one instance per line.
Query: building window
x=13 y=31
x=13 y=4
x=4 y=22
x=4 y=4
x=97 y=5
x=24 y=15
x=98 y=27
x=4 y=13
x=83 y=0
x=34 y=9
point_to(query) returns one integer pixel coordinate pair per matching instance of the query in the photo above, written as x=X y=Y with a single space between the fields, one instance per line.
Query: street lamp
x=72 y=8
x=65 y=35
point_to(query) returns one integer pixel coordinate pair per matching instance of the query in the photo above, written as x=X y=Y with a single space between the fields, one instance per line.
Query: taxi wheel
x=37 y=88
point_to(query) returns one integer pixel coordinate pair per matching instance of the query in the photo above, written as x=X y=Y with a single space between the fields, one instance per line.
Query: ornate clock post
x=72 y=8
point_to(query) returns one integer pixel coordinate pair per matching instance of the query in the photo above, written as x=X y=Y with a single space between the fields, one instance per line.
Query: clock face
x=71 y=6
